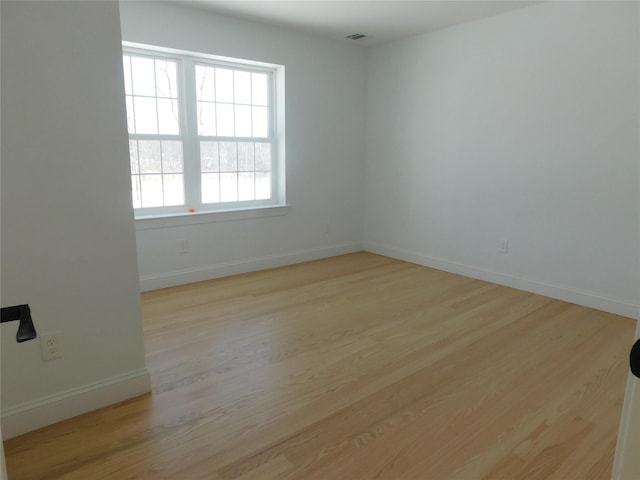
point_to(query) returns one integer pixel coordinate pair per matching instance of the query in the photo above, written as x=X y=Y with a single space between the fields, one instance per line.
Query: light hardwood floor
x=354 y=367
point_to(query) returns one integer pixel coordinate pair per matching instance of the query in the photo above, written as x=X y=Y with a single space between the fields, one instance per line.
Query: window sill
x=181 y=219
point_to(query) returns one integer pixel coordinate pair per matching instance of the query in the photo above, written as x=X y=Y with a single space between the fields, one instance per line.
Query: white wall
x=524 y=126
x=68 y=243
x=325 y=106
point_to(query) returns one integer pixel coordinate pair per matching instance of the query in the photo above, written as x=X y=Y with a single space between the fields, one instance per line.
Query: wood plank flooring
x=354 y=367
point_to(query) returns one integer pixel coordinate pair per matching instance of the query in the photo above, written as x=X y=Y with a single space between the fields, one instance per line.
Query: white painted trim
x=613 y=305
x=209 y=272
x=45 y=411
x=624 y=457
x=179 y=220
x=626 y=463
x=3 y=463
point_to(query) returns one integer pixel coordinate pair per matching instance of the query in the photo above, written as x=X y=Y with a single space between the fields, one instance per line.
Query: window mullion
x=191 y=148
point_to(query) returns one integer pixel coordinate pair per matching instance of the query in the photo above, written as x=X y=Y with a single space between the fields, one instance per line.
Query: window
x=203 y=133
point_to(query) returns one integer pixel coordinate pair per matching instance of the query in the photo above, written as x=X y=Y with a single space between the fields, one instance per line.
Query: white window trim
x=168 y=217
x=179 y=220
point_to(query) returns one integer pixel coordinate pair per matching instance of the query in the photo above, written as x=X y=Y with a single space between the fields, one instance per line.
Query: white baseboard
x=61 y=406
x=616 y=306
x=182 y=277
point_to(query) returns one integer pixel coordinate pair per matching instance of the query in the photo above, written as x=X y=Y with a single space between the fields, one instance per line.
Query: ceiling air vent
x=356 y=36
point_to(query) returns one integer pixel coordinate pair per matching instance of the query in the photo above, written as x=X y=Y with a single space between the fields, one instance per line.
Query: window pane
x=224 y=119
x=246 y=186
x=135 y=191
x=229 y=187
x=151 y=190
x=205 y=85
x=209 y=157
x=133 y=156
x=263 y=185
x=206 y=118
x=145 y=111
x=259 y=89
x=172 y=156
x=126 y=64
x=149 y=154
x=168 y=117
x=245 y=157
x=242 y=87
x=232 y=102
x=143 y=76
x=263 y=156
x=166 y=84
x=228 y=157
x=210 y=187
x=131 y=126
x=224 y=85
x=243 y=121
x=260 y=122
x=173 y=189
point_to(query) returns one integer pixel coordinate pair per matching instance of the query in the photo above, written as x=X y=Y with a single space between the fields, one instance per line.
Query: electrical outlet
x=51 y=346
x=504 y=246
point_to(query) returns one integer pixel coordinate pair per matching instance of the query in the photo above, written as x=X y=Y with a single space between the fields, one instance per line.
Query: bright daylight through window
x=203 y=133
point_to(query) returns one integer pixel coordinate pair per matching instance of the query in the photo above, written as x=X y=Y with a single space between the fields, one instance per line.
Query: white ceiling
x=382 y=21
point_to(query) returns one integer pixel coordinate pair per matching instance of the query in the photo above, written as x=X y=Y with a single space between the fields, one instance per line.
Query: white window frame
x=188 y=134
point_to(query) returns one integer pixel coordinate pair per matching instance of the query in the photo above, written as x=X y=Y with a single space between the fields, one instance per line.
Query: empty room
x=332 y=240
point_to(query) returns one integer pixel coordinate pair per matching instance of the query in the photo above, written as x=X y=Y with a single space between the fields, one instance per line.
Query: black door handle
x=26 y=330
x=634 y=358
